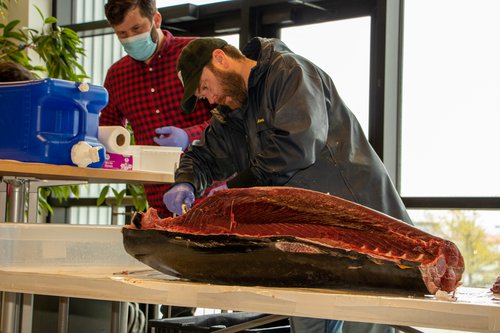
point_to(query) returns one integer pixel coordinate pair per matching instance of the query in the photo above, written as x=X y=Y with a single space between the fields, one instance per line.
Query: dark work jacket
x=294 y=131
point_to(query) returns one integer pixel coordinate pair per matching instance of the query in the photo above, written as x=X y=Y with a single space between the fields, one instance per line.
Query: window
x=475 y=234
x=347 y=60
x=86 y=10
x=450 y=103
x=450 y=117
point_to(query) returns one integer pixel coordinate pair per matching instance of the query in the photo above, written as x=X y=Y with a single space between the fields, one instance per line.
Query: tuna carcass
x=291 y=237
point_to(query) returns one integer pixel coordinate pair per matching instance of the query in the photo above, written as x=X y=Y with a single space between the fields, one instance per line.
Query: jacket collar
x=262 y=50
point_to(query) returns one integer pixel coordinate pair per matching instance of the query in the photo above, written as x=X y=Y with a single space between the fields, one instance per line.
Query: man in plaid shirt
x=144 y=88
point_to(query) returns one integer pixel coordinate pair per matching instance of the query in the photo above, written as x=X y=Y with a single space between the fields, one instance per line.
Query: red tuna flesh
x=320 y=219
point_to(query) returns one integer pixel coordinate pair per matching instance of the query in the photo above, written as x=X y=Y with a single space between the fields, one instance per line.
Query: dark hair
x=116 y=10
x=233 y=52
x=12 y=71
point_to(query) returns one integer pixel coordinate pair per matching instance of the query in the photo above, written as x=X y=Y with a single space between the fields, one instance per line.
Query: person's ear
x=157 y=20
x=219 y=58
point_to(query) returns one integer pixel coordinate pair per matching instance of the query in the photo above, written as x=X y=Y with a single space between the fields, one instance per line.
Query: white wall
x=25 y=11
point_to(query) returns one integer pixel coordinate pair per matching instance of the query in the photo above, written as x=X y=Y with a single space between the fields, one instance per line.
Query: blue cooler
x=42 y=120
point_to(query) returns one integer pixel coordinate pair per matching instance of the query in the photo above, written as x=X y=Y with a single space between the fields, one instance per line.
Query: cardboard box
x=118 y=161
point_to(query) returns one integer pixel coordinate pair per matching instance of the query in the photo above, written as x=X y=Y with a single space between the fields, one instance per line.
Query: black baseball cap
x=194 y=56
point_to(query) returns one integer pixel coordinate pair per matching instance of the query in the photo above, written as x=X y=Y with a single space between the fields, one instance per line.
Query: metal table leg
x=11 y=310
x=119 y=316
x=12 y=301
x=3 y=200
x=63 y=316
x=27 y=313
x=17 y=199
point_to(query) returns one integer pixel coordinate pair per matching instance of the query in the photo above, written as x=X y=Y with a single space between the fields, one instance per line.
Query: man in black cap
x=280 y=121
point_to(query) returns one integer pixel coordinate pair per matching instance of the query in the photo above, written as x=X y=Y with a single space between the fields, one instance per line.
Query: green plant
x=59 y=192
x=136 y=191
x=59 y=48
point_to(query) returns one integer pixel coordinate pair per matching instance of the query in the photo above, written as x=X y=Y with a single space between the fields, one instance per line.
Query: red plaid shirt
x=148 y=96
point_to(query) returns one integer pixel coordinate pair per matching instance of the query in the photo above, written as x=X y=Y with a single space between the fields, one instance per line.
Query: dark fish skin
x=234 y=260
x=137 y=220
x=278 y=236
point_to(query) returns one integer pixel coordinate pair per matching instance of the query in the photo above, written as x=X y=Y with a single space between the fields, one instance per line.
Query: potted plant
x=58 y=47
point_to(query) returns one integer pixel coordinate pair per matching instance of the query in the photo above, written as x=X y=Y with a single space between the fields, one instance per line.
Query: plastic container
x=156 y=159
x=55 y=247
x=42 y=120
x=215 y=322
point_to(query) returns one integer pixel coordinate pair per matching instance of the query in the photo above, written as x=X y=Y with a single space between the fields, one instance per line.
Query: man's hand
x=216 y=189
x=171 y=136
x=178 y=195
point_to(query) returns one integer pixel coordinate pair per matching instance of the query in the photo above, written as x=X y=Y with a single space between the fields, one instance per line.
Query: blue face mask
x=140 y=47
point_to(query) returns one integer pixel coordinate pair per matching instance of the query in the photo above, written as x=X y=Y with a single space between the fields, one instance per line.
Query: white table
x=474 y=310
x=92 y=175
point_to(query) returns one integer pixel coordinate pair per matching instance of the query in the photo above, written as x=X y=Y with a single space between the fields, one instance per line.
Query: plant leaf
x=50 y=20
x=103 y=195
x=11 y=25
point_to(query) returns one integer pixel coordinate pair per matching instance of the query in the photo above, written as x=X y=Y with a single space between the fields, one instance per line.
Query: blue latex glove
x=216 y=189
x=177 y=195
x=172 y=136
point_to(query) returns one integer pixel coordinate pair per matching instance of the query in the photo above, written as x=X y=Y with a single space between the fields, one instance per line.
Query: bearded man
x=280 y=122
